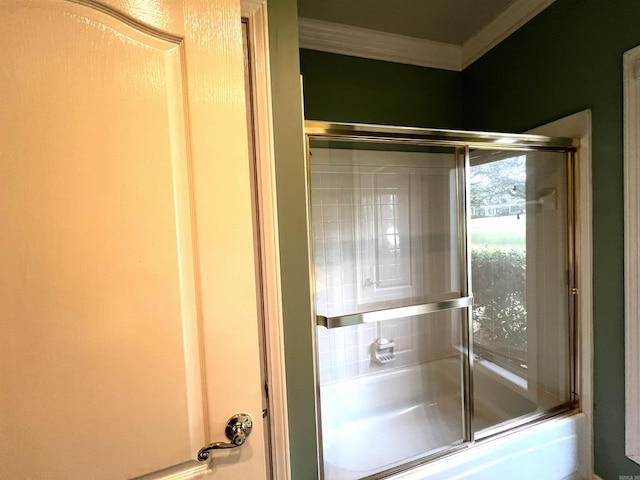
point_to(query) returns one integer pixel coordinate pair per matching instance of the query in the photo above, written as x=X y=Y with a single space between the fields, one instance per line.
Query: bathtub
x=378 y=421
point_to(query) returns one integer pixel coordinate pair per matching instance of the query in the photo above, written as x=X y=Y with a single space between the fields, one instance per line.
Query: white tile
x=349 y=292
x=335 y=309
x=339 y=357
x=328 y=180
x=346 y=234
x=389 y=331
x=351 y=336
x=366 y=199
x=367 y=335
x=412 y=356
x=344 y=180
x=352 y=354
x=349 y=306
x=404 y=329
x=321 y=298
x=349 y=276
x=366 y=180
x=345 y=212
x=365 y=366
x=332 y=272
x=329 y=197
x=403 y=343
x=323 y=340
x=339 y=373
x=319 y=256
x=344 y=197
x=334 y=295
x=364 y=352
x=330 y=213
x=336 y=341
x=316 y=213
x=320 y=275
x=324 y=376
x=353 y=370
x=331 y=230
x=324 y=360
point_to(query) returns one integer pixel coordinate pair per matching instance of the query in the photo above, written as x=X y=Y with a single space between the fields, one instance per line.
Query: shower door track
x=434 y=137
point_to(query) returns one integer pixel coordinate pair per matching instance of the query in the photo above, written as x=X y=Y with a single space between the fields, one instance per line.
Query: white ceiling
x=445 y=21
x=448 y=34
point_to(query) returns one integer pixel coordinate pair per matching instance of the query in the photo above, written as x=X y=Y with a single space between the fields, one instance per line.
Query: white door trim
x=256 y=12
x=578 y=126
x=631 y=78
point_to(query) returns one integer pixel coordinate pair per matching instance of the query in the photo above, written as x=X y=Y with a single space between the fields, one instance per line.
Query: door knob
x=238 y=429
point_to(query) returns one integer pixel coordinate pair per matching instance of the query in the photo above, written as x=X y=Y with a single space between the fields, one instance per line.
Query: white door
x=128 y=319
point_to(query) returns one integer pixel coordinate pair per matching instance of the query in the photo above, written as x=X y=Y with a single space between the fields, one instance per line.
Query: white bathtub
x=379 y=421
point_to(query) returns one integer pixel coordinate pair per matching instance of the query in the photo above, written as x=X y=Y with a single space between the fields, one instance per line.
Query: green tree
x=499 y=182
x=499 y=312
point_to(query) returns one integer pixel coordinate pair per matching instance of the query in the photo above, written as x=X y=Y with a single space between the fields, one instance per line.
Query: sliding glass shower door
x=388 y=284
x=521 y=268
x=406 y=231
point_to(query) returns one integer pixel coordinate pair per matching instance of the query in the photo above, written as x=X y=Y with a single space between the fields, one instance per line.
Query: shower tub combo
x=369 y=425
x=443 y=268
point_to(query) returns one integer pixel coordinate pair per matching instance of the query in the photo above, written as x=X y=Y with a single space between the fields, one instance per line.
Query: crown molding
x=500 y=28
x=361 y=42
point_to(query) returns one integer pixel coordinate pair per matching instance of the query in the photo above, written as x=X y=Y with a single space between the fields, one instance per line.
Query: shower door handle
x=238 y=429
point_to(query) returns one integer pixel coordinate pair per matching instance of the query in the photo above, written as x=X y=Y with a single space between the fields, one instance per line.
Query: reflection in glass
x=384 y=226
x=519 y=268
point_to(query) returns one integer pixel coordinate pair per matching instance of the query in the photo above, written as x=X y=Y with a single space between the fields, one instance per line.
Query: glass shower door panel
x=384 y=414
x=385 y=235
x=384 y=227
x=519 y=265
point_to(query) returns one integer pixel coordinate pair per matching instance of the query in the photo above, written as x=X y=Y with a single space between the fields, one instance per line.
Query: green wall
x=292 y=231
x=567 y=59
x=339 y=88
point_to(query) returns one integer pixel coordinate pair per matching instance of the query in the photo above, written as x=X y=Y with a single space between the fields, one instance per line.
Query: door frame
x=578 y=126
x=267 y=252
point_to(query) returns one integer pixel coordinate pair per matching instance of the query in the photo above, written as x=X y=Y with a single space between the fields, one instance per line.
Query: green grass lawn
x=502 y=233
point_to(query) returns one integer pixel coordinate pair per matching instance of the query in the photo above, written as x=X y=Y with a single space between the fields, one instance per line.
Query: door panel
x=121 y=210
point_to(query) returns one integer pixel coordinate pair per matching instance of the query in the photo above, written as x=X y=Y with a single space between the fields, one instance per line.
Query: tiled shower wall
x=347 y=352
x=340 y=201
